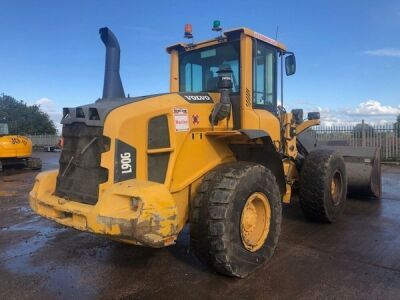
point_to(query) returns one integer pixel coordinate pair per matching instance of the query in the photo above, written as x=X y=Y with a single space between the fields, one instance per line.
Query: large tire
x=323 y=186
x=218 y=227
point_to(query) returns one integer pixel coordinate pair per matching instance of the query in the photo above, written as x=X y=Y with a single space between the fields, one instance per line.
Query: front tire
x=235 y=221
x=323 y=186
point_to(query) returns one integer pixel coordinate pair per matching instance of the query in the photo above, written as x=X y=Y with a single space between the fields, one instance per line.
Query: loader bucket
x=363 y=165
x=363 y=168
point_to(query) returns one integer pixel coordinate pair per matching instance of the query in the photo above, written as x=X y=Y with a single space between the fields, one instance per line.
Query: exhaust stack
x=112 y=80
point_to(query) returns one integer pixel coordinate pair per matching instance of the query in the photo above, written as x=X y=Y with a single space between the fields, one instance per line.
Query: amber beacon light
x=188 y=31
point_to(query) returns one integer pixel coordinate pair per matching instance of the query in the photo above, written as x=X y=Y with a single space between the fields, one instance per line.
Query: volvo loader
x=216 y=152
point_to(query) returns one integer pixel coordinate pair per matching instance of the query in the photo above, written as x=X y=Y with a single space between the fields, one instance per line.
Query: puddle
x=391 y=186
x=65 y=281
x=40 y=236
x=25 y=210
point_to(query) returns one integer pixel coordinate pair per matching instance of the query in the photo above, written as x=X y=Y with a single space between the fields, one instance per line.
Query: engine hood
x=95 y=114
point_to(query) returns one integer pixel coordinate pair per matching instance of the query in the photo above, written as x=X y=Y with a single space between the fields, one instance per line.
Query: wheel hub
x=255 y=221
x=250 y=219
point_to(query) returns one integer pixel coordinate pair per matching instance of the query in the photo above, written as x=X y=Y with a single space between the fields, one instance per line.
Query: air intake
x=112 y=88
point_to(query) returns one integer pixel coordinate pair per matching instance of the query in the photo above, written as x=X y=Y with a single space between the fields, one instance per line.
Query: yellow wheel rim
x=336 y=188
x=255 y=221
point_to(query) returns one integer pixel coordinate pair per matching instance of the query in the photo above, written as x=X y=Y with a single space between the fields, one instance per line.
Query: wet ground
x=358 y=257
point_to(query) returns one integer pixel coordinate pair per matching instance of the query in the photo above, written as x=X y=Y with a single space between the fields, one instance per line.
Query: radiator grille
x=80 y=172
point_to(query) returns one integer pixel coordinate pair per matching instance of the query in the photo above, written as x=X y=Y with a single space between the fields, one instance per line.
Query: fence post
x=363 y=133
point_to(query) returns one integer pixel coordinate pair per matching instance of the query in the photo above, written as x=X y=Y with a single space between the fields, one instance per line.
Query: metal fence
x=44 y=140
x=387 y=137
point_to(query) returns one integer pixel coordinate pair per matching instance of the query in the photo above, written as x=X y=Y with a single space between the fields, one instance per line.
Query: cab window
x=198 y=68
x=264 y=76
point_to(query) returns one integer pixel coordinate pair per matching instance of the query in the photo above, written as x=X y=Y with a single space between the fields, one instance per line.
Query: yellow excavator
x=16 y=150
x=216 y=152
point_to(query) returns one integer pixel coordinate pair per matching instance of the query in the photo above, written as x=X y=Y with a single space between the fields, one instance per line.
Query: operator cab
x=194 y=68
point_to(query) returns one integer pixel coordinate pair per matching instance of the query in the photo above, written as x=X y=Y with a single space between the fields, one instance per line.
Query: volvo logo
x=198 y=98
x=202 y=98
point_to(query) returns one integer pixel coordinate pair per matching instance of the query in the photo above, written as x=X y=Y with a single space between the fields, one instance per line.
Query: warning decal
x=196 y=119
x=181 y=119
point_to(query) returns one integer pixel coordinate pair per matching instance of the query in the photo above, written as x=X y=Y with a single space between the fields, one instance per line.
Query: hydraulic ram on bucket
x=363 y=165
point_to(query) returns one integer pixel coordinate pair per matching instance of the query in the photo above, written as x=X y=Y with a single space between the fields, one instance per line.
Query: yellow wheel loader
x=16 y=150
x=215 y=152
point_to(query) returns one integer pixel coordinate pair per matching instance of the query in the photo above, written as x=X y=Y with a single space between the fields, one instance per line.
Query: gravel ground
x=358 y=257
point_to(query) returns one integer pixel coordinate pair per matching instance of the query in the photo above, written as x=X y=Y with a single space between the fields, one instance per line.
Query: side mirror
x=297 y=115
x=315 y=115
x=290 y=64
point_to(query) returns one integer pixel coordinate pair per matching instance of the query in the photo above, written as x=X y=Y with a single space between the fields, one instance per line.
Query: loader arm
x=306 y=124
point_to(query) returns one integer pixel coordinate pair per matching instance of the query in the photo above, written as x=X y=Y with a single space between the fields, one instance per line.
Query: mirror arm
x=282 y=54
x=306 y=124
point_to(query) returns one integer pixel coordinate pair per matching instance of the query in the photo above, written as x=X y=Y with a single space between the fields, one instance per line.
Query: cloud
x=391 y=52
x=374 y=108
x=372 y=111
x=48 y=106
x=44 y=101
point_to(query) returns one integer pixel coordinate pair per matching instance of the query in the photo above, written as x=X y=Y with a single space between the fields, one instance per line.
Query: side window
x=264 y=76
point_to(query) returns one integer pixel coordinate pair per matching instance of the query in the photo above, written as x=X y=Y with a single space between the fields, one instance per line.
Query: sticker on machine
x=181 y=119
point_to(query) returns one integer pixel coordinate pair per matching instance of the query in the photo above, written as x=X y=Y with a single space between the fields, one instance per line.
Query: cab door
x=265 y=74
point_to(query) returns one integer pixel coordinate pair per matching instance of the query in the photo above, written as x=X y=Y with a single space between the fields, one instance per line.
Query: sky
x=347 y=52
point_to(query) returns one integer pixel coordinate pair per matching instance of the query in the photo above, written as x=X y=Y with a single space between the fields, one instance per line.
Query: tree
x=24 y=119
x=357 y=130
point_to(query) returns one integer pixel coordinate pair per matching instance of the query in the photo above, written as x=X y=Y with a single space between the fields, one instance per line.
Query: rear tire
x=323 y=186
x=235 y=220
